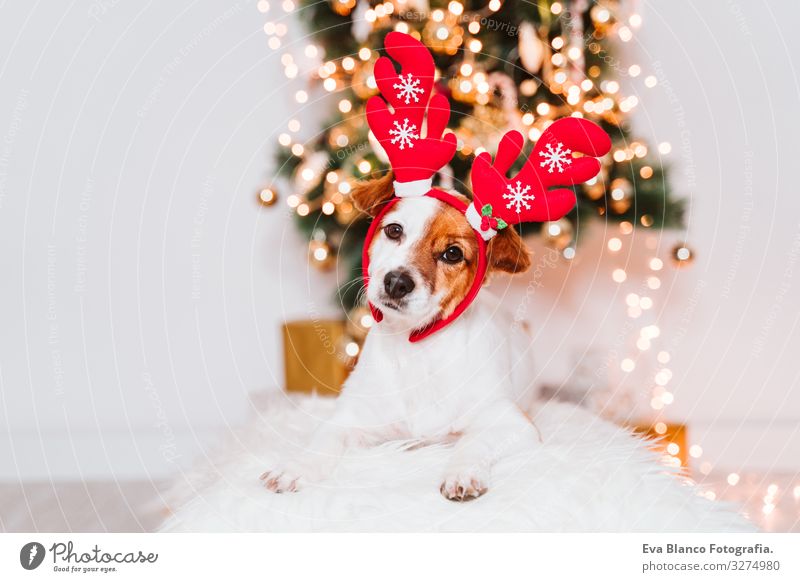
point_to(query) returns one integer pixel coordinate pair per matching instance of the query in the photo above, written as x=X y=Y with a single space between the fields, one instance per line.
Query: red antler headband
x=497 y=201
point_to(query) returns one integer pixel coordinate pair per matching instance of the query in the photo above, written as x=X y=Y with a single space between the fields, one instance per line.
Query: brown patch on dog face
x=369 y=196
x=507 y=253
x=447 y=236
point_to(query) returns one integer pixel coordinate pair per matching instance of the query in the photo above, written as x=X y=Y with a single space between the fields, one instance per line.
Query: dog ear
x=507 y=253
x=369 y=196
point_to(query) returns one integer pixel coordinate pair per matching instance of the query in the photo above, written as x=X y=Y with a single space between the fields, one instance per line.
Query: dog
x=463 y=384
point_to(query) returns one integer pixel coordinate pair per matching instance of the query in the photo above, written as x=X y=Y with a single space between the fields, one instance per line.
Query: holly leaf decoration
x=501 y=224
x=486 y=210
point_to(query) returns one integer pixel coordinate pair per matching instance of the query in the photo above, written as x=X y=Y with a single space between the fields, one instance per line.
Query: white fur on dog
x=588 y=475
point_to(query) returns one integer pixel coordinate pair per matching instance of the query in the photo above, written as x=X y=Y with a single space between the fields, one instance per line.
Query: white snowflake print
x=556 y=157
x=408 y=87
x=518 y=196
x=404 y=134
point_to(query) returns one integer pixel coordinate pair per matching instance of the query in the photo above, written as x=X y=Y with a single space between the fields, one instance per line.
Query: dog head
x=424 y=256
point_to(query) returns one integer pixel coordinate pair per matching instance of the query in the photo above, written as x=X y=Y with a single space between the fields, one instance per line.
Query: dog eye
x=394 y=231
x=453 y=255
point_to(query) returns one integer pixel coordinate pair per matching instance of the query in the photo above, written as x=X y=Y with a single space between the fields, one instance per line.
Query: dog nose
x=397 y=284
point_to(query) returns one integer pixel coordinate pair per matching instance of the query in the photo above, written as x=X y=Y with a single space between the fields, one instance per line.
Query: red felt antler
x=399 y=131
x=527 y=197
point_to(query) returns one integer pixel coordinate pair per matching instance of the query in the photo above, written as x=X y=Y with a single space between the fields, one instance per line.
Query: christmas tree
x=504 y=65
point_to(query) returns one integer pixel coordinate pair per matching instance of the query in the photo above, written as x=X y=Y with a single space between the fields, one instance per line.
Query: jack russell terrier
x=444 y=363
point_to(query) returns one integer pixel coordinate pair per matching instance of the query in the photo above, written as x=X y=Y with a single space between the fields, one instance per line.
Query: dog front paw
x=463 y=487
x=281 y=480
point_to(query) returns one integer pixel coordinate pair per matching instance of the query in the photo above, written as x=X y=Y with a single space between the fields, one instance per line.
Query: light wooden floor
x=129 y=506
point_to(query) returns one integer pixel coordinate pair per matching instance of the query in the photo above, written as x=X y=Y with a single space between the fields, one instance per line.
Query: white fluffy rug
x=589 y=475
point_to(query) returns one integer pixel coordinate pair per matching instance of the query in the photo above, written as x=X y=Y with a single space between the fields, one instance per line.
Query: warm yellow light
x=455 y=7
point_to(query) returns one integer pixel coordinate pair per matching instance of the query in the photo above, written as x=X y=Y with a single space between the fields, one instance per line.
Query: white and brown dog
x=440 y=365
x=465 y=381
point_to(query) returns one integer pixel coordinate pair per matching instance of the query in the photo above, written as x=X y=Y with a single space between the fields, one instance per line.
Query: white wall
x=730 y=108
x=728 y=103
x=143 y=289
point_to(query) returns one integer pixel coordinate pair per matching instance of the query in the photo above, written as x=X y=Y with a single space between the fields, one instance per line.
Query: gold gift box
x=668 y=439
x=313 y=356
